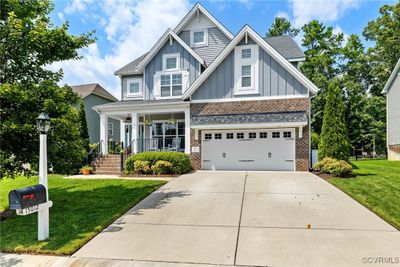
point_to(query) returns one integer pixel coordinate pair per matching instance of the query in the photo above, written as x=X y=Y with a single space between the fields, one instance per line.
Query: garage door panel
x=248 y=154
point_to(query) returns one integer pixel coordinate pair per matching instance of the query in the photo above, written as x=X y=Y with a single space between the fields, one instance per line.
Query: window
x=246 y=69
x=246 y=53
x=252 y=135
x=246 y=76
x=171 y=62
x=229 y=136
x=199 y=38
x=218 y=136
x=287 y=134
x=276 y=134
x=263 y=135
x=240 y=135
x=208 y=136
x=134 y=87
x=171 y=85
x=110 y=128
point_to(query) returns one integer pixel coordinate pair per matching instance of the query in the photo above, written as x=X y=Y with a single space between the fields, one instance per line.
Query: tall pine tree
x=334 y=141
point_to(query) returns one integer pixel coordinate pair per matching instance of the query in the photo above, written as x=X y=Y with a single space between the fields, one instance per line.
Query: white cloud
x=131 y=28
x=282 y=14
x=60 y=15
x=326 y=11
x=337 y=29
x=77 y=6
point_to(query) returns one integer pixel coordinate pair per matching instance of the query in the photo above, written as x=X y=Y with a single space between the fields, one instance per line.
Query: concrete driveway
x=248 y=218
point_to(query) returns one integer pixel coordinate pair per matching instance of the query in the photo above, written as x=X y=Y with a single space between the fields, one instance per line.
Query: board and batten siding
x=187 y=62
x=393 y=112
x=124 y=86
x=93 y=118
x=217 y=41
x=274 y=80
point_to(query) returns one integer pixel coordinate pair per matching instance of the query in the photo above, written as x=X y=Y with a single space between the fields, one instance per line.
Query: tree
x=84 y=129
x=322 y=52
x=282 y=26
x=334 y=141
x=384 y=31
x=27 y=88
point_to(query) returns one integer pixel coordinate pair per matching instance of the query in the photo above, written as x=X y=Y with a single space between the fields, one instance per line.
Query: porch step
x=108 y=164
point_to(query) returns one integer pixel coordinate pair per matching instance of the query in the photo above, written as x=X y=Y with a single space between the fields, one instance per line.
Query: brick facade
x=237 y=107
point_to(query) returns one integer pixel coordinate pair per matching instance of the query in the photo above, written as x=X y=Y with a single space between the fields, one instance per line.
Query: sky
x=126 y=29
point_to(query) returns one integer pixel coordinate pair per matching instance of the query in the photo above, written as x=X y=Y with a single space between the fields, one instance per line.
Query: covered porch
x=147 y=126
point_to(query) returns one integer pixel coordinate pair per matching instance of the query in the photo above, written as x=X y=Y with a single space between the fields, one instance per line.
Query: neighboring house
x=94 y=94
x=392 y=91
x=230 y=102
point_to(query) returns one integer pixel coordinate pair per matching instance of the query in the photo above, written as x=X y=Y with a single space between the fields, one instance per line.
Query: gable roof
x=287 y=47
x=391 y=78
x=84 y=90
x=246 y=30
x=131 y=68
x=193 y=12
x=168 y=34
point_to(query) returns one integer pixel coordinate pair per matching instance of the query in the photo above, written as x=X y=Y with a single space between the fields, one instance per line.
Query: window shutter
x=157 y=85
x=185 y=81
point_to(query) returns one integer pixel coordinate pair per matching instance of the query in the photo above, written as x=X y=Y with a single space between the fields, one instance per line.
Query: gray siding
x=393 y=107
x=188 y=62
x=124 y=86
x=274 y=80
x=217 y=41
x=93 y=118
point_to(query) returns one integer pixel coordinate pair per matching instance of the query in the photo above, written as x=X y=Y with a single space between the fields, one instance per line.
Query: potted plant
x=86 y=170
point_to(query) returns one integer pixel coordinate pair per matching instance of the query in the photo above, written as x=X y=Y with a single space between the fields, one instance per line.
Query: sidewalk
x=7 y=260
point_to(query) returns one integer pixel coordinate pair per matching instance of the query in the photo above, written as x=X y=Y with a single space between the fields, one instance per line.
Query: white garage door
x=249 y=150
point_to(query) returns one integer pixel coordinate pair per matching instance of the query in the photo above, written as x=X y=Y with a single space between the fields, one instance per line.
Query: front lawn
x=81 y=209
x=376 y=186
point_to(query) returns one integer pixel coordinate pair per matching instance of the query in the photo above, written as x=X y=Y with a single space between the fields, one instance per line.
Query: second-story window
x=199 y=37
x=134 y=87
x=246 y=69
x=171 y=85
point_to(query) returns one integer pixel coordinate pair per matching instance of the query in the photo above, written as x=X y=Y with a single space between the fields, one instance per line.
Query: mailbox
x=24 y=198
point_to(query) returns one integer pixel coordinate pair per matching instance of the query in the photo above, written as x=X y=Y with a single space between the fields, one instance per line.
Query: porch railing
x=94 y=153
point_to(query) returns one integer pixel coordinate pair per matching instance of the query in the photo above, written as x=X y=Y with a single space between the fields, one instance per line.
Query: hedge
x=337 y=168
x=180 y=161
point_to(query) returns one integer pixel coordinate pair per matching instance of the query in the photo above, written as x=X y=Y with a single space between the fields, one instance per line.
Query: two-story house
x=232 y=102
x=392 y=91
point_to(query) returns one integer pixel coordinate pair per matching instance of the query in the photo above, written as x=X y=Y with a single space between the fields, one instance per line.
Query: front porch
x=147 y=127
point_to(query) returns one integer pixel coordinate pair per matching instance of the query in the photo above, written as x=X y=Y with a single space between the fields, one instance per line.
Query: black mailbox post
x=27 y=197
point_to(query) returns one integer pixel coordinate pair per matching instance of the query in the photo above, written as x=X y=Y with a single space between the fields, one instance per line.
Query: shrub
x=140 y=166
x=337 y=168
x=162 y=167
x=180 y=161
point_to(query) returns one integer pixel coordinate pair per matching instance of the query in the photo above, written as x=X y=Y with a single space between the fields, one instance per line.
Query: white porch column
x=135 y=132
x=104 y=133
x=187 y=131
x=122 y=132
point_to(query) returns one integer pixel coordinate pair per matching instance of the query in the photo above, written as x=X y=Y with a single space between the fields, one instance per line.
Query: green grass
x=376 y=186
x=81 y=209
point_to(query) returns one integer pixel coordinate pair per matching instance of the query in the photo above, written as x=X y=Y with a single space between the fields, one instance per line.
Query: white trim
x=297 y=59
x=177 y=56
x=193 y=12
x=253 y=61
x=153 y=108
x=201 y=44
x=161 y=42
x=249 y=125
x=393 y=75
x=271 y=51
x=253 y=98
x=157 y=83
x=134 y=80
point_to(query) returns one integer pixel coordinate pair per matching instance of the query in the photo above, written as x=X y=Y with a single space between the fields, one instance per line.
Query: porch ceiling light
x=128 y=119
x=43 y=123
